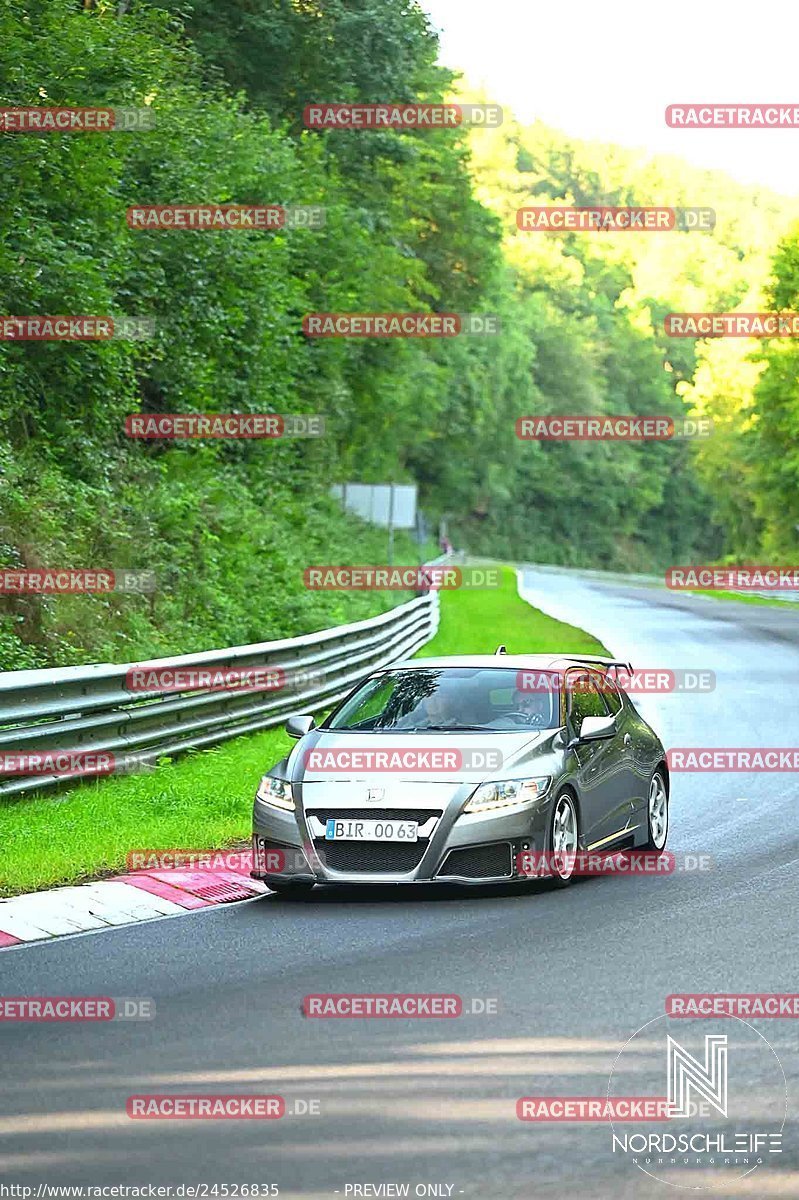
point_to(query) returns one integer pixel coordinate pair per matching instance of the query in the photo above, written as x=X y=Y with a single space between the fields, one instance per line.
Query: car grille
x=374 y=857
x=479 y=862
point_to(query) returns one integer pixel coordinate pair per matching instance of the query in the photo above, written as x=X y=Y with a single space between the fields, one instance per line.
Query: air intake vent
x=370 y=857
x=479 y=862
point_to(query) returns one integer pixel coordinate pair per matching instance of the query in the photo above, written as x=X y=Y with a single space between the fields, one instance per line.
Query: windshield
x=447 y=698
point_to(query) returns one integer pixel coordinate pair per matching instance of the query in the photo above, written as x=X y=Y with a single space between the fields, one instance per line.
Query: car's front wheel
x=657 y=813
x=563 y=835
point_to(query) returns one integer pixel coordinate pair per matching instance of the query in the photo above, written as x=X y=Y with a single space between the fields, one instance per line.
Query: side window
x=611 y=694
x=585 y=700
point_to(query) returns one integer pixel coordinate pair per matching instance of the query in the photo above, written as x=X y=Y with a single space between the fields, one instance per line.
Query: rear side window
x=585 y=699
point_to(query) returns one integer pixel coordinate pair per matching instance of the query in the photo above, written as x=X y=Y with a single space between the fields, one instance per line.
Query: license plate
x=370 y=831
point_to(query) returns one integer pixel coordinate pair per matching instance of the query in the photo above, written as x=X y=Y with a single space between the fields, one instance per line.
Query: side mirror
x=594 y=729
x=299 y=724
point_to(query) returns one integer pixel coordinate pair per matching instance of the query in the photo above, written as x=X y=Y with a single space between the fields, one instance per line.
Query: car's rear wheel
x=294 y=887
x=657 y=809
x=563 y=837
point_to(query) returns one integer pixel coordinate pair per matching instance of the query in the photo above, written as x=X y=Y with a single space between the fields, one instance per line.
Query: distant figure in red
x=444 y=544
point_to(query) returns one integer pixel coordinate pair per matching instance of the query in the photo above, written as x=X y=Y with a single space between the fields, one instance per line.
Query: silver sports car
x=463 y=770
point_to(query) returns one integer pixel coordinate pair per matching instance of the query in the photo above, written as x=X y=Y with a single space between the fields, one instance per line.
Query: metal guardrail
x=89 y=710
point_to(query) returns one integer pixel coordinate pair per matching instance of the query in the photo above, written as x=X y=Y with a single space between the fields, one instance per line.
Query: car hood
x=330 y=756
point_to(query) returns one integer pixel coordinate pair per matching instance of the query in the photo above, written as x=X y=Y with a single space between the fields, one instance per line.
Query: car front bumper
x=468 y=848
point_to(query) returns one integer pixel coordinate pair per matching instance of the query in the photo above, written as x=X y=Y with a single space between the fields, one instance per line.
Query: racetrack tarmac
x=431 y=1103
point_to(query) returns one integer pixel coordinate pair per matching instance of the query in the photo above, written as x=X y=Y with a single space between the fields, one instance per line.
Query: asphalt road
x=431 y=1103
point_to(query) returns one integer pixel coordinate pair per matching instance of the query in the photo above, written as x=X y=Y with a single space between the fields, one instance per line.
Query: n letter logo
x=708 y=1080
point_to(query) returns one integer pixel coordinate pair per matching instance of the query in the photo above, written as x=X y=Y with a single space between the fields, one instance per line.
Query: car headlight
x=505 y=792
x=276 y=792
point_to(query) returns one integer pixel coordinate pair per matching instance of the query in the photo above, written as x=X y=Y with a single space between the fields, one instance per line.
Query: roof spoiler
x=601 y=660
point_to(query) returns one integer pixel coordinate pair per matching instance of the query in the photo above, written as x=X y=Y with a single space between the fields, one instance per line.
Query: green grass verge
x=203 y=801
x=746 y=598
x=476 y=622
x=200 y=801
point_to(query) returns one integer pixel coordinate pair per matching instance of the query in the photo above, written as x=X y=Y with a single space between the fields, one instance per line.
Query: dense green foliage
x=594 y=306
x=753 y=394
x=415 y=221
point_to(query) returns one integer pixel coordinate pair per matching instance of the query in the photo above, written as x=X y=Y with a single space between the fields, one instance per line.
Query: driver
x=536 y=706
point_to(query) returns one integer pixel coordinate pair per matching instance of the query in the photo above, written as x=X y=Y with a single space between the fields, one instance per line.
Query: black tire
x=564 y=797
x=652 y=840
x=294 y=887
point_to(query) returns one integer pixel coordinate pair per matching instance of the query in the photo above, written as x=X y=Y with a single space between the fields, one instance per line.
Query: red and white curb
x=124 y=900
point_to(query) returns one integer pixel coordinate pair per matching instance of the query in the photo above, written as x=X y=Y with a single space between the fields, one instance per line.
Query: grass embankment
x=747 y=598
x=476 y=622
x=203 y=801
x=228 y=564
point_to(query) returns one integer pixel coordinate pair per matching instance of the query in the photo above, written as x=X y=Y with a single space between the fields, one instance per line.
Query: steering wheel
x=535 y=719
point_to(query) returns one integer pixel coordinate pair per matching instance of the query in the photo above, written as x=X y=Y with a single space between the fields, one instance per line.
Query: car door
x=604 y=792
x=642 y=753
x=628 y=725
